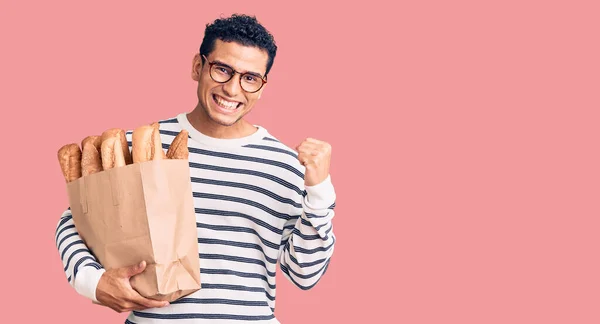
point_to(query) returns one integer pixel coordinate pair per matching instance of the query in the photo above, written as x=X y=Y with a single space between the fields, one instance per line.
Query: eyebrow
x=247 y=72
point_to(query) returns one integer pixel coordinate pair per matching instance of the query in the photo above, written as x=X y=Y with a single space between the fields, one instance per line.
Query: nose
x=232 y=87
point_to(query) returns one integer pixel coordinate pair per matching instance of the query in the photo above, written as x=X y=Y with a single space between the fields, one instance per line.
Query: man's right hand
x=114 y=290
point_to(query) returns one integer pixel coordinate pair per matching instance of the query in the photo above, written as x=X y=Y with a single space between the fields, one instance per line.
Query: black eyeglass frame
x=234 y=72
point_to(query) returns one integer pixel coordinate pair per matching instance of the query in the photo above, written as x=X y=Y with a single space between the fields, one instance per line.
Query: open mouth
x=226 y=104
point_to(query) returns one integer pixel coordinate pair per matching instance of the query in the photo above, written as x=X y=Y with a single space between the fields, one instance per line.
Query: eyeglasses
x=249 y=81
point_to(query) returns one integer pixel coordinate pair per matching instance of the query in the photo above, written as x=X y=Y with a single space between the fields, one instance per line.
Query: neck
x=200 y=120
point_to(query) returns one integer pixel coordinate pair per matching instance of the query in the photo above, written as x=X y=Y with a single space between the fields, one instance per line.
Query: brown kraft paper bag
x=142 y=211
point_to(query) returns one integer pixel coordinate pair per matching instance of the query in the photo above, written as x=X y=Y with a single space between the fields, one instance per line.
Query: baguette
x=141 y=144
x=112 y=153
x=91 y=161
x=157 y=151
x=179 y=146
x=69 y=157
x=94 y=139
x=120 y=133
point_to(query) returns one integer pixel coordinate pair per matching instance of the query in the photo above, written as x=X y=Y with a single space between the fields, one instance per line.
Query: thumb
x=134 y=269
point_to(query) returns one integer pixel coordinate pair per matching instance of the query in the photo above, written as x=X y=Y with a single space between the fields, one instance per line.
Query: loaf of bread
x=110 y=150
x=146 y=144
x=91 y=162
x=179 y=146
x=157 y=150
x=112 y=153
x=69 y=157
x=94 y=139
x=120 y=133
x=141 y=144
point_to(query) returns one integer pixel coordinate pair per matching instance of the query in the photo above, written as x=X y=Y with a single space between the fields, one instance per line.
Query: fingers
x=127 y=272
x=312 y=140
x=313 y=145
x=135 y=301
x=308 y=159
x=311 y=149
x=148 y=303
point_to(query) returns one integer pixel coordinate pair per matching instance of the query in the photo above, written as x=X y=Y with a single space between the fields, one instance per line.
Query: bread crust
x=120 y=133
x=69 y=158
x=91 y=162
x=96 y=140
x=112 y=153
x=141 y=143
x=157 y=151
x=179 y=146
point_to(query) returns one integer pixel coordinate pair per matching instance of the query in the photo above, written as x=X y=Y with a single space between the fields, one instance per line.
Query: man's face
x=226 y=103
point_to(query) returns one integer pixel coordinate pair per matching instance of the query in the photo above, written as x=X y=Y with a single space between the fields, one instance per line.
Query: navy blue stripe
x=307 y=223
x=286 y=228
x=247 y=158
x=242 y=201
x=238 y=274
x=64 y=238
x=272 y=149
x=315 y=250
x=237 y=244
x=94 y=265
x=248 y=187
x=74 y=254
x=310 y=215
x=79 y=263
x=69 y=279
x=62 y=230
x=291 y=226
x=285 y=270
x=168 y=132
x=128 y=322
x=205 y=316
x=300 y=264
x=248 y=172
x=309 y=237
x=238 y=288
x=302 y=276
x=270 y=139
x=220 y=301
x=238 y=230
x=169 y=121
x=64 y=220
x=232 y=287
x=235 y=259
x=62 y=256
x=236 y=214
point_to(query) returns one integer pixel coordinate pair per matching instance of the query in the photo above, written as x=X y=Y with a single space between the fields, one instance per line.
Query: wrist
x=321 y=195
x=87 y=281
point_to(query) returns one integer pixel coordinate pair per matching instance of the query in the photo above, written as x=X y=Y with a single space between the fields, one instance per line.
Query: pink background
x=465 y=146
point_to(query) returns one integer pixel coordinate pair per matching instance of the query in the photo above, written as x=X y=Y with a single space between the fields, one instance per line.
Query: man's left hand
x=315 y=155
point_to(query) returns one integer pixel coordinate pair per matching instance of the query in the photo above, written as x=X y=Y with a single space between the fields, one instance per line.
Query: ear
x=196 y=67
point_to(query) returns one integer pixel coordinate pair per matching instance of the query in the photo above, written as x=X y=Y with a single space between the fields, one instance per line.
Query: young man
x=257 y=201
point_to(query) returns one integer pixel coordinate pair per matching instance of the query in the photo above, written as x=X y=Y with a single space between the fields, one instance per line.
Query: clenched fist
x=315 y=155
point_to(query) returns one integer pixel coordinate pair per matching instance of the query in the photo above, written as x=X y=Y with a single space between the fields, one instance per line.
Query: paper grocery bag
x=142 y=211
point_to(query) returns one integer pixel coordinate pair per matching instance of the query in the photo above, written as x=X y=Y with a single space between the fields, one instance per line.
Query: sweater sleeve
x=82 y=269
x=308 y=240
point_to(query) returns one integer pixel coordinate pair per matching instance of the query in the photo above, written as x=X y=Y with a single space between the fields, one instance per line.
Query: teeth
x=226 y=104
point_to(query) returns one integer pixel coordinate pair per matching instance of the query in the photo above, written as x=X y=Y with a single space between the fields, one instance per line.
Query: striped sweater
x=252 y=211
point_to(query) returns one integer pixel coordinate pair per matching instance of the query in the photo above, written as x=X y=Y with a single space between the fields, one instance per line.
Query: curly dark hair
x=242 y=29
